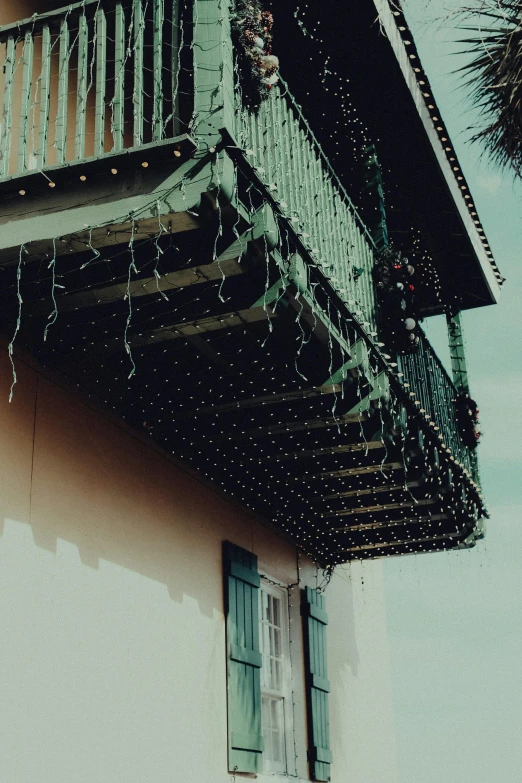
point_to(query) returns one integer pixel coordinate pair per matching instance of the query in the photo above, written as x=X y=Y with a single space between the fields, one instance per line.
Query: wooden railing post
x=213 y=71
x=457 y=354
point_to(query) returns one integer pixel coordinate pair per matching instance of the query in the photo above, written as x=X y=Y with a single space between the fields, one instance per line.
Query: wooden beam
x=347 y=512
x=391 y=523
x=299 y=426
x=268 y=399
x=326 y=451
x=188 y=328
x=381 y=468
x=353 y=493
x=387 y=544
x=146 y=286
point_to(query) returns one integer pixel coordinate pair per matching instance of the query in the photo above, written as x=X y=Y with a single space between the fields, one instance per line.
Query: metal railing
x=97 y=76
x=435 y=391
x=290 y=161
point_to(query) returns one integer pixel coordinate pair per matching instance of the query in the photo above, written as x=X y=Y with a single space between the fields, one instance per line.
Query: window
x=276 y=693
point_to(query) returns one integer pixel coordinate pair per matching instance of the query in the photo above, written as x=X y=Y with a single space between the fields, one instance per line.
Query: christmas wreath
x=256 y=65
x=468 y=420
x=393 y=276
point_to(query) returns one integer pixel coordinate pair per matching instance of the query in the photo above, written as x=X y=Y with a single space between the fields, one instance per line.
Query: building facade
x=219 y=407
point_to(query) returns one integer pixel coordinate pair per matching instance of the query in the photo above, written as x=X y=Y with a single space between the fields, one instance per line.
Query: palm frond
x=494 y=77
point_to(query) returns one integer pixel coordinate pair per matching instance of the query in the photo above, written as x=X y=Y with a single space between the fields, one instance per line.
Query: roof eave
x=485 y=262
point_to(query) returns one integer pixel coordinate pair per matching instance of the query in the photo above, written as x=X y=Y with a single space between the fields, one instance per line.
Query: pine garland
x=393 y=276
x=257 y=66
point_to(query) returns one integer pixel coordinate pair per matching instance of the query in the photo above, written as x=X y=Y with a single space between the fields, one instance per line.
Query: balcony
x=214 y=288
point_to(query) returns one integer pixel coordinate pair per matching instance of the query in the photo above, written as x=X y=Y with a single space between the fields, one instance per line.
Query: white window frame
x=285 y=693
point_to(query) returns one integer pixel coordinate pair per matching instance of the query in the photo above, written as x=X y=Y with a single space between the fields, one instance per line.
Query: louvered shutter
x=317 y=685
x=245 y=742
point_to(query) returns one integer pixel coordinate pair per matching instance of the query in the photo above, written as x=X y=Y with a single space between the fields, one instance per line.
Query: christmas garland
x=257 y=66
x=393 y=277
x=468 y=420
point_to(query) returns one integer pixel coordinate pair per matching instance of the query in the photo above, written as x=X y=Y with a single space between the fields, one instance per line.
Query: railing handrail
x=34 y=22
x=444 y=372
x=326 y=161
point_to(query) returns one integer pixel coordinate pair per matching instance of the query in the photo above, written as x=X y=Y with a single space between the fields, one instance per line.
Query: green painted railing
x=97 y=76
x=433 y=388
x=290 y=161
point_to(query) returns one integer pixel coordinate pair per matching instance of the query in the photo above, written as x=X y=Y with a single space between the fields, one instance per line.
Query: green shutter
x=317 y=685
x=245 y=741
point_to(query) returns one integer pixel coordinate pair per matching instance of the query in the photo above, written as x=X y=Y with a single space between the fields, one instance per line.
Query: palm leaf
x=494 y=77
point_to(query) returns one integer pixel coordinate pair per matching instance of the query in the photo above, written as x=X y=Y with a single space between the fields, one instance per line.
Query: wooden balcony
x=220 y=297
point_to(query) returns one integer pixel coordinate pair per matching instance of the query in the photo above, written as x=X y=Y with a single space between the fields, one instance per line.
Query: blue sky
x=455 y=619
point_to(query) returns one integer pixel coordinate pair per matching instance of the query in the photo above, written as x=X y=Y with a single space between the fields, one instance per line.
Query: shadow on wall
x=74 y=475
x=16 y=10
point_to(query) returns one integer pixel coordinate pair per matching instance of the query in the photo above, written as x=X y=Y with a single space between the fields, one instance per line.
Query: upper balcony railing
x=436 y=393
x=89 y=79
x=290 y=161
x=100 y=77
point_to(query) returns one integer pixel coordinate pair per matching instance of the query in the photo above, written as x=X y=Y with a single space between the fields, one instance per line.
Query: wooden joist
x=105 y=236
x=324 y=452
x=189 y=328
x=267 y=399
x=388 y=523
x=194 y=275
x=368 y=491
x=347 y=512
x=300 y=426
x=359 y=471
x=405 y=542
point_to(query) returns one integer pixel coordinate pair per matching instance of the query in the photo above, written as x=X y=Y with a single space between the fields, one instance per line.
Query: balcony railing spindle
x=45 y=94
x=118 y=103
x=137 y=97
x=63 y=88
x=25 y=104
x=157 y=111
x=101 y=81
x=81 y=87
x=7 y=114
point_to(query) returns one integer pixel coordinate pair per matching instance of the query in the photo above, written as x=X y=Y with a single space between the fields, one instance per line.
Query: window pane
x=276 y=649
x=274 y=734
x=276 y=612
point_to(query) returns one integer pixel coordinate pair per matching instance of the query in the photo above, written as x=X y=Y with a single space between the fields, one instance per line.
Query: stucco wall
x=112 y=664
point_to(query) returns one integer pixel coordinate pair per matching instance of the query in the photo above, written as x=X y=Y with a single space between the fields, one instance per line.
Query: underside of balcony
x=212 y=330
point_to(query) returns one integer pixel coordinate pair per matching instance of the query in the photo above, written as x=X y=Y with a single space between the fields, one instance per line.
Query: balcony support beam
x=147 y=286
x=457 y=354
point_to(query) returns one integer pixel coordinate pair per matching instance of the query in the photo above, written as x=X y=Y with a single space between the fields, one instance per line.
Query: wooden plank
x=81 y=86
x=7 y=114
x=353 y=493
x=176 y=43
x=299 y=426
x=146 y=286
x=101 y=82
x=388 y=544
x=104 y=236
x=389 y=523
x=347 y=512
x=137 y=95
x=118 y=102
x=60 y=139
x=269 y=399
x=360 y=471
x=189 y=328
x=326 y=451
x=157 y=75
x=45 y=92
x=25 y=101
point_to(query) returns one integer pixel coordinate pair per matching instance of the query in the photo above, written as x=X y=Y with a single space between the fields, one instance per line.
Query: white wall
x=112 y=663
